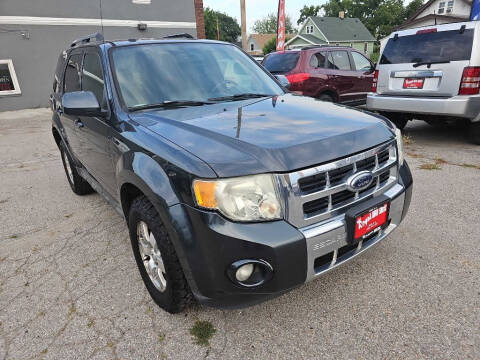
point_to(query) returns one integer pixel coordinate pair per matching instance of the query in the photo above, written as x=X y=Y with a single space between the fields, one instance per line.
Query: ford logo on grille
x=360 y=181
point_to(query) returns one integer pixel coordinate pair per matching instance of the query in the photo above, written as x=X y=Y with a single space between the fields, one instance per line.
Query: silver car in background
x=430 y=73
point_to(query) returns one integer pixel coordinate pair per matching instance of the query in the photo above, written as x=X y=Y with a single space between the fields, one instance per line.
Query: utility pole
x=244 y=24
x=218 y=30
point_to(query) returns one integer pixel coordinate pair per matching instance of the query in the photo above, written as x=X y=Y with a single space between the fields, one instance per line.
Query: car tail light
x=298 y=78
x=375 y=81
x=470 y=84
x=426 y=31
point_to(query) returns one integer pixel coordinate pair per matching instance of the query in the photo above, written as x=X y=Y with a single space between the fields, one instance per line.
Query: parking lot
x=70 y=288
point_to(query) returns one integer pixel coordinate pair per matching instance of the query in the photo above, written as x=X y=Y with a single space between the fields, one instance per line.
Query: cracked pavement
x=70 y=289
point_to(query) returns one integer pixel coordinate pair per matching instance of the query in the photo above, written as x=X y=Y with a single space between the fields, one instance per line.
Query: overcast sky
x=257 y=9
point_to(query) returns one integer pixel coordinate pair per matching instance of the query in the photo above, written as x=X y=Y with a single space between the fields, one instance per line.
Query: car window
x=157 y=73
x=317 y=60
x=429 y=46
x=92 y=76
x=361 y=63
x=339 y=60
x=72 y=74
x=282 y=62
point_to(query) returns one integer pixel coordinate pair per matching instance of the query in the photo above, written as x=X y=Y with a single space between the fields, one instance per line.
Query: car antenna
x=462 y=29
x=101 y=21
x=395 y=37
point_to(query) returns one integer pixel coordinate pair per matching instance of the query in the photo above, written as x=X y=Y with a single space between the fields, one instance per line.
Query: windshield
x=179 y=72
x=443 y=46
x=279 y=63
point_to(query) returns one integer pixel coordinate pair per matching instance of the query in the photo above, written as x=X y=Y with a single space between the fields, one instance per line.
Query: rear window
x=281 y=62
x=432 y=47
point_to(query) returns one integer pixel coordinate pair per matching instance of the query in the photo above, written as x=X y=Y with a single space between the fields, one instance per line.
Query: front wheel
x=78 y=184
x=474 y=132
x=156 y=258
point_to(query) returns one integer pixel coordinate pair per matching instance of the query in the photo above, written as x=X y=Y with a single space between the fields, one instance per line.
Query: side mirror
x=81 y=103
x=283 y=80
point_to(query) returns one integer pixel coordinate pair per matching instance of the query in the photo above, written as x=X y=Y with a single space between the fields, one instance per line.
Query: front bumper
x=208 y=244
x=457 y=106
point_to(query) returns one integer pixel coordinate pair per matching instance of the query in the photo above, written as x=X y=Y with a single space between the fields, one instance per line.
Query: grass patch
x=90 y=323
x=440 y=161
x=203 y=332
x=161 y=338
x=72 y=310
x=471 y=166
x=407 y=139
x=13 y=236
x=413 y=155
x=434 y=166
x=44 y=351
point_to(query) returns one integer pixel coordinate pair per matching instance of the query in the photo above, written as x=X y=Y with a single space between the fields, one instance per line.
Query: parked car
x=430 y=73
x=233 y=191
x=329 y=73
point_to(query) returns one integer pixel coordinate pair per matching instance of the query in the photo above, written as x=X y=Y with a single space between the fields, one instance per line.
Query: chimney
x=341 y=15
x=200 y=19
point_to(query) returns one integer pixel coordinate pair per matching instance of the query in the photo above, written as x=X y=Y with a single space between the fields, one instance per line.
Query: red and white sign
x=413 y=83
x=281 y=26
x=371 y=221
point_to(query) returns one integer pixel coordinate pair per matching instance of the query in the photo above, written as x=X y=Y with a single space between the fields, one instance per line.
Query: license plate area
x=365 y=220
x=413 y=83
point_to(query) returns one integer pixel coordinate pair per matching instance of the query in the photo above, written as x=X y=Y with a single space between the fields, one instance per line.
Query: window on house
x=310 y=29
x=365 y=48
x=252 y=47
x=441 y=7
x=8 y=79
x=450 y=6
x=143 y=2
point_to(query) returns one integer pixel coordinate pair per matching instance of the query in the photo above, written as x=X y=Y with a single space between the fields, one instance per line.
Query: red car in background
x=329 y=73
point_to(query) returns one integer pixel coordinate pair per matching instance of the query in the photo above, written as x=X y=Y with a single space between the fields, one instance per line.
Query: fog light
x=244 y=272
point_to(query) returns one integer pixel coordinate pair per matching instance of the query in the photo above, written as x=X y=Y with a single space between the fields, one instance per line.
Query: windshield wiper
x=170 y=104
x=239 y=97
x=429 y=63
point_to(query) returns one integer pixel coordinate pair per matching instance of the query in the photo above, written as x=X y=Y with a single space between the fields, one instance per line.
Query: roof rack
x=322 y=45
x=97 y=36
x=179 y=36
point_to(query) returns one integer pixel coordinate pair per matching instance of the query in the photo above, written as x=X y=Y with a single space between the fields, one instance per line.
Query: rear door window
x=72 y=73
x=361 y=63
x=429 y=47
x=318 y=60
x=281 y=62
x=339 y=60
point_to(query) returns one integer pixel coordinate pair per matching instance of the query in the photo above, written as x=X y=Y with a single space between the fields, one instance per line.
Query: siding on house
x=35 y=37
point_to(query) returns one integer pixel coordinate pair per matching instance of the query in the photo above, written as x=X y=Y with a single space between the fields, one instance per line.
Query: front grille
x=321 y=192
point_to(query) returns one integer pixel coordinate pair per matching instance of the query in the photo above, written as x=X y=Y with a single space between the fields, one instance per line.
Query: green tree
x=268 y=25
x=229 y=28
x=308 y=11
x=412 y=7
x=271 y=45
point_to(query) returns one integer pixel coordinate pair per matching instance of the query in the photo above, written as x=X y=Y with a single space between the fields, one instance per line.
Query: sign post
x=281 y=26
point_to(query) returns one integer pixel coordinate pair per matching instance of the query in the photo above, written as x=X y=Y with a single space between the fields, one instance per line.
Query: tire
x=78 y=184
x=474 y=132
x=166 y=282
x=325 y=97
x=399 y=120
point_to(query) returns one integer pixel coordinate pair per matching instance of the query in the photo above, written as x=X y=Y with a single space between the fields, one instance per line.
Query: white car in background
x=430 y=73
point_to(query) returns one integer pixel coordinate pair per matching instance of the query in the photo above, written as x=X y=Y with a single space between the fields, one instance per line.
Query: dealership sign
x=281 y=26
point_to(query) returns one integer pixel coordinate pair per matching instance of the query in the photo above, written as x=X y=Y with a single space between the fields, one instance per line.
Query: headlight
x=248 y=198
x=399 y=137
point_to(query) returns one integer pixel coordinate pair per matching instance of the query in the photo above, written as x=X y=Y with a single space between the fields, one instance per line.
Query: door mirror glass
x=81 y=103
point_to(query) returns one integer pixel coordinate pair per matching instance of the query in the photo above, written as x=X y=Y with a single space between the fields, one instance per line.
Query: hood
x=278 y=134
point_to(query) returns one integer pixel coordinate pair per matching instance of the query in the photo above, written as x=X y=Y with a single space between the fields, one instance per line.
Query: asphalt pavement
x=70 y=289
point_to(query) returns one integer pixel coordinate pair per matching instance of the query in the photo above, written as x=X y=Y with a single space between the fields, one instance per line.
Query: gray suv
x=432 y=74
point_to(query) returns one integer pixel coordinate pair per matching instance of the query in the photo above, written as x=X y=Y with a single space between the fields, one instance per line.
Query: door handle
x=78 y=124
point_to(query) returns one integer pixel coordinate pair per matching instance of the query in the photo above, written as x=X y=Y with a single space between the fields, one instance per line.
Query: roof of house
x=421 y=9
x=312 y=38
x=261 y=39
x=413 y=22
x=346 y=29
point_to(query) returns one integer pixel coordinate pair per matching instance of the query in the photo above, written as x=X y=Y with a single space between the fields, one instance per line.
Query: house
x=33 y=34
x=340 y=30
x=256 y=42
x=436 y=12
